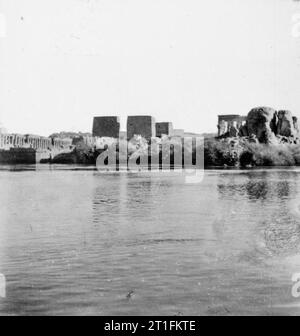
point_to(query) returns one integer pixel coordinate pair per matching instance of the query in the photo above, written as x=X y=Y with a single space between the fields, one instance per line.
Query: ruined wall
x=106 y=127
x=141 y=125
x=164 y=128
x=31 y=149
x=230 y=123
x=8 y=141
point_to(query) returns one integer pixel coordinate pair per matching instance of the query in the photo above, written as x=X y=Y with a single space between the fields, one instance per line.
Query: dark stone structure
x=164 y=128
x=18 y=156
x=106 y=127
x=141 y=125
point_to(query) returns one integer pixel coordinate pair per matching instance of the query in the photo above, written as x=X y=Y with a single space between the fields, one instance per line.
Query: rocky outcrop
x=286 y=124
x=266 y=125
x=77 y=156
x=261 y=122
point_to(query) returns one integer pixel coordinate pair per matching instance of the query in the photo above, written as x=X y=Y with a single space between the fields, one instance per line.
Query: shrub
x=246 y=158
x=270 y=155
x=218 y=153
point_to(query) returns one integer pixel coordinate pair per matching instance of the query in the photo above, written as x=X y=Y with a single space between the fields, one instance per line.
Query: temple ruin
x=141 y=125
x=106 y=127
x=36 y=142
x=164 y=128
x=230 y=123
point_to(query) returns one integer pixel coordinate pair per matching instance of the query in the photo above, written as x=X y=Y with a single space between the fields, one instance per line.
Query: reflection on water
x=75 y=241
x=281 y=229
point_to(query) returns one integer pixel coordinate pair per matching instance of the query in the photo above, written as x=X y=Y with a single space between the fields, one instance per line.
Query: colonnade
x=32 y=141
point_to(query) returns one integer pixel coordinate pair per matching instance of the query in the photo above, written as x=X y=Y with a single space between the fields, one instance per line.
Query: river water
x=76 y=241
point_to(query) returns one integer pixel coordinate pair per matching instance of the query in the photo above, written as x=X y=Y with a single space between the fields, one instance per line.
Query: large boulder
x=286 y=124
x=296 y=125
x=262 y=122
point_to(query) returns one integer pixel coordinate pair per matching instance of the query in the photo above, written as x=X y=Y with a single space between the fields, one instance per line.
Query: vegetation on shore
x=217 y=153
x=246 y=154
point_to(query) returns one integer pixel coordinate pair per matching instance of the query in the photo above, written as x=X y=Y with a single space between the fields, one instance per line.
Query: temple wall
x=106 y=127
x=164 y=128
x=141 y=125
x=8 y=141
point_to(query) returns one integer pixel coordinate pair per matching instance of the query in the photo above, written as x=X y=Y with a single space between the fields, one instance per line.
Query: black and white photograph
x=149 y=160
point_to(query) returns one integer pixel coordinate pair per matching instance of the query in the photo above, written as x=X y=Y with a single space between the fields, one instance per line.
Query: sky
x=62 y=62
